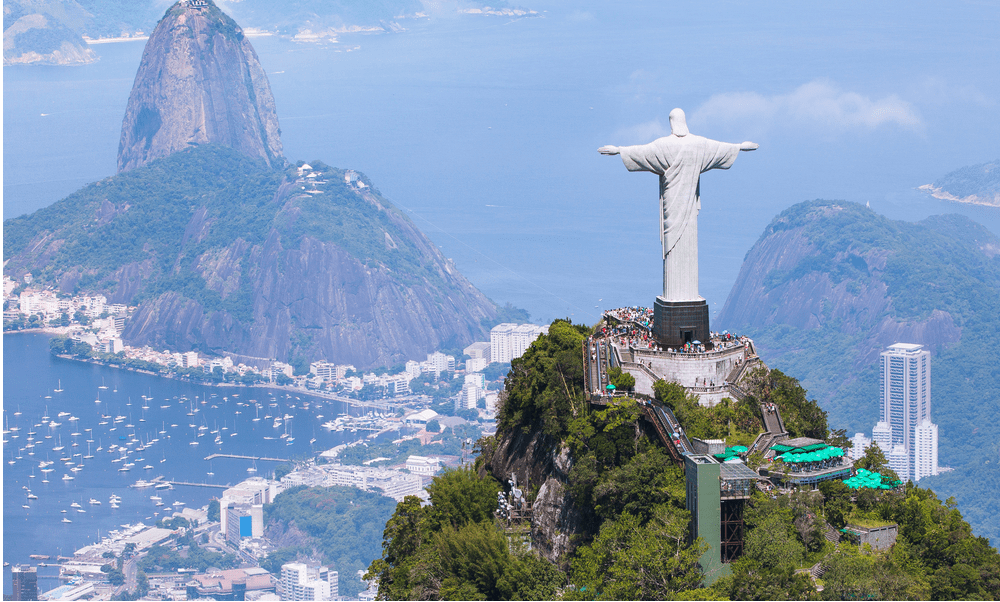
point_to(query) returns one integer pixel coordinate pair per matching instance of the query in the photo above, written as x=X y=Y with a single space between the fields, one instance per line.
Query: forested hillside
x=623 y=502
x=223 y=254
x=830 y=284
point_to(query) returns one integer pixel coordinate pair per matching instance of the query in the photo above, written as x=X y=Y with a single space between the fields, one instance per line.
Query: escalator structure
x=669 y=431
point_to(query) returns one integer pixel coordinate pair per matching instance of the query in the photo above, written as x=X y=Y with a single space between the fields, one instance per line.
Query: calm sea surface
x=30 y=377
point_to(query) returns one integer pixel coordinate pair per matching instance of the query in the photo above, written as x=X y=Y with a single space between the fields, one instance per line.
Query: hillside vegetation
x=336 y=526
x=629 y=539
x=222 y=253
x=834 y=283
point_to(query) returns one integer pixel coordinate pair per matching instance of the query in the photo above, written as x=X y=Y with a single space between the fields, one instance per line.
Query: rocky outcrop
x=793 y=278
x=542 y=469
x=314 y=300
x=199 y=82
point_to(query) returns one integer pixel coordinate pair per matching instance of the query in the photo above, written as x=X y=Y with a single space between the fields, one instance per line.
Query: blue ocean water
x=485 y=129
x=30 y=377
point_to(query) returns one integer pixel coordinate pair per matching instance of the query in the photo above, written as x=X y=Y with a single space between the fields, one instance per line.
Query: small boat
x=66 y=520
x=66 y=477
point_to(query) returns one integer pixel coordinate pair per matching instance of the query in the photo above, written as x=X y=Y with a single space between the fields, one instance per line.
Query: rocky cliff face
x=199 y=82
x=224 y=255
x=538 y=463
x=788 y=280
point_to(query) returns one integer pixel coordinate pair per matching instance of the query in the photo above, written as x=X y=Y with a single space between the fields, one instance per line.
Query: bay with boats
x=90 y=450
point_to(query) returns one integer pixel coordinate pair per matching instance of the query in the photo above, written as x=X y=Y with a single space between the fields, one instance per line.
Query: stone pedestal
x=678 y=322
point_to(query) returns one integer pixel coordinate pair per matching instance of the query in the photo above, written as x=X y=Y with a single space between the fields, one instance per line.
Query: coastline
x=92 y=41
x=61 y=330
x=972 y=199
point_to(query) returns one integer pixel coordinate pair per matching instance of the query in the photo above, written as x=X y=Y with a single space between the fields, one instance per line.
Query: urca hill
x=222 y=253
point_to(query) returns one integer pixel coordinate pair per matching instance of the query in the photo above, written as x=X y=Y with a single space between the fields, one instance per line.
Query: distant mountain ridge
x=199 y=82
x=829 y=284
x=224 y=254
x=975 y=184
x=44 y=32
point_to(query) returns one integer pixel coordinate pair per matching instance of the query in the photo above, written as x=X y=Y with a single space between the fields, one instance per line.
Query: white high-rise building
x=882 y=436
x=302 y=582
x=899 y=462
x=510 y=341
x=905 y=401
x=925 y=450
x=859 y=443
x=500 y=343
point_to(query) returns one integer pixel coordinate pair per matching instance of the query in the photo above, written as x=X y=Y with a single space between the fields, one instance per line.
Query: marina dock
x=239 y=457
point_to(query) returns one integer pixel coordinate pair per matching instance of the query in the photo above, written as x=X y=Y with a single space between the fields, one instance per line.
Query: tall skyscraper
x=904 y=405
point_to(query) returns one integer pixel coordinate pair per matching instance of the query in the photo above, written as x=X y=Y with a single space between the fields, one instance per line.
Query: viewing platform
x=708 y=369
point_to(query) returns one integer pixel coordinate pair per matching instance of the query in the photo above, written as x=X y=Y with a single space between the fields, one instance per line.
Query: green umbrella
x=611 y=387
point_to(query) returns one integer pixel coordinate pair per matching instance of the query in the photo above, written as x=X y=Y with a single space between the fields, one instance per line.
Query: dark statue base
x=678 y=322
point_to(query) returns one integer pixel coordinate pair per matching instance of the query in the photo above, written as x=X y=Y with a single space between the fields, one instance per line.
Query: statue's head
x=678 y=123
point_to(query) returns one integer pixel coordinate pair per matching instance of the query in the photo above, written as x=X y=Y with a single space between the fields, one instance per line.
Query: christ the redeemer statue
x=679 y=159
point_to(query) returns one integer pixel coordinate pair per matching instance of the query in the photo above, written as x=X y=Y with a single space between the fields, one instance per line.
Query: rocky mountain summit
x=199 y=82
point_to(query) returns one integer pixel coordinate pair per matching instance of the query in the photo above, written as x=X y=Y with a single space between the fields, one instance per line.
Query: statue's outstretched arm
x=749 y=146
x=608 y=150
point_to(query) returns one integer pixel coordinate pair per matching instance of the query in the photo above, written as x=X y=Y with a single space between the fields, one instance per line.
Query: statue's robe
x=680 y=161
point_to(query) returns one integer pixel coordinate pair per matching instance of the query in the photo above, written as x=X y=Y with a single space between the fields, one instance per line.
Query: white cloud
x=820 y=104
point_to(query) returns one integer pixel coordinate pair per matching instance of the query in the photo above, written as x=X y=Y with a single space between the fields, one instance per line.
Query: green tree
x=629 y=560
x=141 y=585
x=460 y=496
x=855 y=575
x=545 y=385
x=214 y=511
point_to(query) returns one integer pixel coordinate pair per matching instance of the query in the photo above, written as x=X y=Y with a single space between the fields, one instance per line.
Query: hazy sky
x=485 y=129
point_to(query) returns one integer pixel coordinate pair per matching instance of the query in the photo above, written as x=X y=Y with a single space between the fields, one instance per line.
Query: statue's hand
x=608 y=150
x=749 y=146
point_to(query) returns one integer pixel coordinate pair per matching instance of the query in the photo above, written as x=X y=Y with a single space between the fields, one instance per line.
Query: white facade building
x=510 y=341
x=302 y=582
x=423 y=465
x=500 y=343
x=860 y=444
x=904 y=404
x=476 y=364
x=478 y=351
x=925 y=450
x=882 y=436
x=899 y=462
